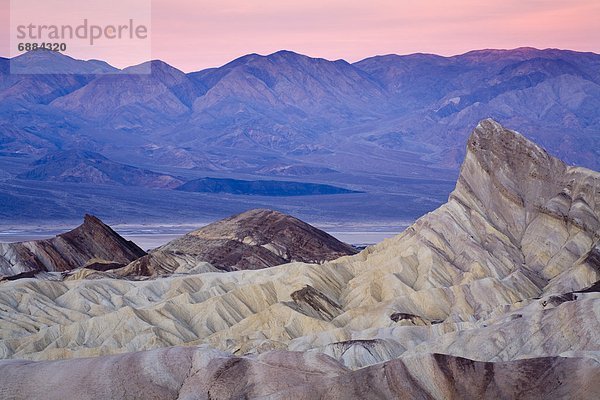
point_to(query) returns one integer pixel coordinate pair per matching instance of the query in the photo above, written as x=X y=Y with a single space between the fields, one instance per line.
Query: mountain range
x=365 y=126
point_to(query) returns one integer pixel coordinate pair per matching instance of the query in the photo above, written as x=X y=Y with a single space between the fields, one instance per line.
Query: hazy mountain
x=90 y=167
x=132 y=99
x=32 y=77
x=385 y=117
x=543 y=91
x=281 y=101
x=55 y=63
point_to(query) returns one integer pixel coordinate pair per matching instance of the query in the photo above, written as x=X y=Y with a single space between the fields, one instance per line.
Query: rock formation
x=502 y=279
x=254 y=239
x=92 y=241
x=203 y=373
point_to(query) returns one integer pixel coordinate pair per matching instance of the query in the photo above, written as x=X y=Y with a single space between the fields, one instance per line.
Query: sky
x=196 y=34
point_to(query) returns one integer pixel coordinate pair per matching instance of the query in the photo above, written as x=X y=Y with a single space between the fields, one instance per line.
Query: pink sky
x=196 y=34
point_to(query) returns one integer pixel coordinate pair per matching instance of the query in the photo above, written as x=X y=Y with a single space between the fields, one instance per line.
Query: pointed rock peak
x=502 y=161
x=94 y=227
x=94 y=233
x=92 y=220
x=496 y=147
x=89 y=242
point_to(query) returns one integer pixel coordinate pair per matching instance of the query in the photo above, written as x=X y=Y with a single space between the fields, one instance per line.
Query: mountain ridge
x=92 y=240
x=92 y=167
x=382 y=117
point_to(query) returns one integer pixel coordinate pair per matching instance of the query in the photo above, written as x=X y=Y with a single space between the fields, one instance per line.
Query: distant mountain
x=281 y=101
x=54 y=63
x=132 y=99
x=545 y=91
x=259 y=188
x=32 y=77
x=295 y=170
x=93 y=240
x=258 y=117
x=90 y=167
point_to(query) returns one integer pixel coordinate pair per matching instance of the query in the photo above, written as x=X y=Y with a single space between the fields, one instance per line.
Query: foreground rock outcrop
x=502 y=279
x=92 y=243
x=254 y=239
x=203 y=373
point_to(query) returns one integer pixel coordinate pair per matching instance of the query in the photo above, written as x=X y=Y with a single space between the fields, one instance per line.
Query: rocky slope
x=91 y=243
x=254 y=239
x=202 y=373
x=504 y=274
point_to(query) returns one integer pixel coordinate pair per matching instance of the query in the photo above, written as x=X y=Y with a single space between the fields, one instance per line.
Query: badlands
x=493 y=295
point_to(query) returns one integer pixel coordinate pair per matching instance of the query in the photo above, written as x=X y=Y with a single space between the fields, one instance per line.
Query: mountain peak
x=42 y=55
x=93 y=239
x=255 y=239
x=286 y=237
x=287 y=54
x=90 y=220
x=509 y=178
x=494 y=55
x=93 y=234
x=152 y=67
x=497 y=148
x=69 y=154
x=53 y=62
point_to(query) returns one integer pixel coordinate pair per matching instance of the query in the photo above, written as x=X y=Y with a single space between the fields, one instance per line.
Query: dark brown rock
x=254 y=239
x=93 y=240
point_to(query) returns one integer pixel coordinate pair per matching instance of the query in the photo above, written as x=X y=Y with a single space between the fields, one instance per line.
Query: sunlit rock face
x=501 y=280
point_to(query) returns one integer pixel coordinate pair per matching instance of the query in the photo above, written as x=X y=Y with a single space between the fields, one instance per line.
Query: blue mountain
x=378 y=125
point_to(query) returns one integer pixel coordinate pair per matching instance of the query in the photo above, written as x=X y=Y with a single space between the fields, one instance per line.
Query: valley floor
x=150 y=236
